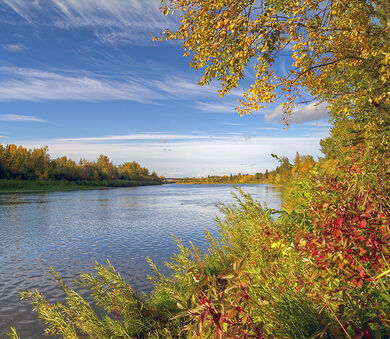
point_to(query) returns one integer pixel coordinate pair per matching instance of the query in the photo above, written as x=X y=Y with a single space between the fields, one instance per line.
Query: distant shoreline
x=222 y=183
x=27 y=186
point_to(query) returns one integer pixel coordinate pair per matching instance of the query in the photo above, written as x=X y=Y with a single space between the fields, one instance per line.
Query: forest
x=22 y=168
x=282 y=174
x=320 y=266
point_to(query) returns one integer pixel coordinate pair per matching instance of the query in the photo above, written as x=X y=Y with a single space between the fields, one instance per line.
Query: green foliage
x=255 y=281
x=123 y=314
x=319 y=268
x=226 y=179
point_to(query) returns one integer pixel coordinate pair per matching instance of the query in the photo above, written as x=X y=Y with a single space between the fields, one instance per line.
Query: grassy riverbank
x=316 y=268
x=10 y=186
x=319 y=267
x=233 y=183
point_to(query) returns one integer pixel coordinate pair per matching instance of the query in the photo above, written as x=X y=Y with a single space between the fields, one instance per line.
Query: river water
x=71 y=230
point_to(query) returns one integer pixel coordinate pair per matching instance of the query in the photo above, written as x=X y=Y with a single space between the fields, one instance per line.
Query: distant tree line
x=20 y=163
x=281 y=174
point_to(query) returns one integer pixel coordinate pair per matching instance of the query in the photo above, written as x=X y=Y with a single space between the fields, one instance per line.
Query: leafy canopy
x=340 y=50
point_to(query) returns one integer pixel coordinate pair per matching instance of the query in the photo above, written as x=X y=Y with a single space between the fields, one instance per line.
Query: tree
x=106 y=168
x=340 y=51
x=40 y=160
x=64 y=168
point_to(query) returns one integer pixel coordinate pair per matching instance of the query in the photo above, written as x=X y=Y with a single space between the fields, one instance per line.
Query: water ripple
x=71 y=230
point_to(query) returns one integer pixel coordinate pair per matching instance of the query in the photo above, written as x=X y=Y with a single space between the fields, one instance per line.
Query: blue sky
x=85 y=78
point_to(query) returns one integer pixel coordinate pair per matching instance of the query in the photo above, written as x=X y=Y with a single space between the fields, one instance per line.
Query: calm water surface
x=72 y=230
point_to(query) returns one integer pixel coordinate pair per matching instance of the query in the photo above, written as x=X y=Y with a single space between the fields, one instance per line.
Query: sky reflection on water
x=72 y=230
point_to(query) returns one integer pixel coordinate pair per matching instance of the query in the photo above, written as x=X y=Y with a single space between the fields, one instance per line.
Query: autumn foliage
x=319 y=267
x=340 y=51
x=20 y=163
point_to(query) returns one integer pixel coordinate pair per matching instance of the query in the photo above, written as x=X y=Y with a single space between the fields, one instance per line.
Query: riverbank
x=24 y=186
x=71 y=230
x=221 y=183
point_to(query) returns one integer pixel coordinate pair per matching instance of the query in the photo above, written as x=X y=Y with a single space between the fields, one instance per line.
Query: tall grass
x=7 y=185
x=318 y=268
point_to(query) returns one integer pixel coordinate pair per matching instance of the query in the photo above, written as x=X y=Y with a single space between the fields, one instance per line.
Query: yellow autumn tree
x=340 y=51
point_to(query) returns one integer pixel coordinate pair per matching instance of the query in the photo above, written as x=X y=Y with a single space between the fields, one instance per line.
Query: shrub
x=317 y=268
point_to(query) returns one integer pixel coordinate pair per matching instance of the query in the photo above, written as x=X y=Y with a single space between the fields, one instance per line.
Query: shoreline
x=21 y=186
x=224 y=183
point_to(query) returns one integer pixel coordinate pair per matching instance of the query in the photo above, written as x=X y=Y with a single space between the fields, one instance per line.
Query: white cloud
x=20 y=118
x=113 y=21
x=215 y=107
x=300 y=114
x=31 y=84
x=218 y=155
x=15 y=48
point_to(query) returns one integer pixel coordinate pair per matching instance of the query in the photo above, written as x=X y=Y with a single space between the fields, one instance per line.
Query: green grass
x=9 y=186
x=253 y=282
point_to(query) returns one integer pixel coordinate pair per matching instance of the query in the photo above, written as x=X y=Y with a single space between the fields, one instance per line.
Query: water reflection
x=72 y=230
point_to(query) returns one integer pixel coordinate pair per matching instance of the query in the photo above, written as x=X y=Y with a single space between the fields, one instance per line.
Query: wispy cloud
x=213 y=107
x=141 y=136
x=162 y=138
x=231 y=124
x=300 y=114
x=179 y=87
x=20 y=118
x=15 y=48
x=31 y=84
x=268 y=128
x=113 y=21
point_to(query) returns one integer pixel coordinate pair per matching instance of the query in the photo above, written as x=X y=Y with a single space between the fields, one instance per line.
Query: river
x=71 y=230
